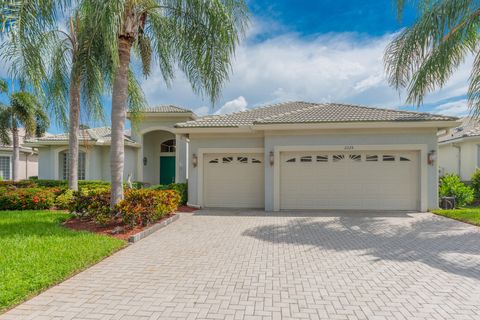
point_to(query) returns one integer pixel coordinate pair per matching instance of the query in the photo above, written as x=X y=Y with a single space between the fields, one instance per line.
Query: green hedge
x=181 y=188
x=27 y=199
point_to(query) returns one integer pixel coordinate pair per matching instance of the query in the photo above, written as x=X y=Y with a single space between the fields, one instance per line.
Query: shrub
x=64 y=201
x=181 y=188
x=452 y=186
x=94 y=204
x=18 y=184
x=475 y=183
x=27 y=199
x=144 y=206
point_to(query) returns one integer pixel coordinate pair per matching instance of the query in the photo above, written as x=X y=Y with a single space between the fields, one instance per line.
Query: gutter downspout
x=459 y=148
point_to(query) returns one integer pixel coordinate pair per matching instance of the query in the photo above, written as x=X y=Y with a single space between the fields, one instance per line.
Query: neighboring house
x=459 y=149
x=28 y=160
x=289 y=156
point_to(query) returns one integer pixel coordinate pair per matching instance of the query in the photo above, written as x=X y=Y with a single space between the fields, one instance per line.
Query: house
x=459 y=149
x=288 y=156
x=28 y=166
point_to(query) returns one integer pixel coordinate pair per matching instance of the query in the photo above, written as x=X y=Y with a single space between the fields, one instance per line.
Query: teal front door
x=167 y=169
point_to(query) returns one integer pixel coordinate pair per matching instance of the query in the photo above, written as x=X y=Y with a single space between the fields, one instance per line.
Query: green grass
x=36 y=252
x=468 y=215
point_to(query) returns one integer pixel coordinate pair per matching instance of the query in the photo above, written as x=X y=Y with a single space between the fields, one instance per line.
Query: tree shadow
x=438 y=242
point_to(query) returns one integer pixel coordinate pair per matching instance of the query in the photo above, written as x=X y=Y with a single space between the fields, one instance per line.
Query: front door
x=167 y=169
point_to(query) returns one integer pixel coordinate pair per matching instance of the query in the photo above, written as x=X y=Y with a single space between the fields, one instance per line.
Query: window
x=404 y=159
x=213 y=161
x=256 y=160
x=242 y=159
x=355 y=157
x=371 y=157
x=291 y=160
x=306 y=159
x=322 y=158
x=338 y=157
x=81 y=165
x=168 y=146
x=227 y=159
x=387 y=157
x=5 y=168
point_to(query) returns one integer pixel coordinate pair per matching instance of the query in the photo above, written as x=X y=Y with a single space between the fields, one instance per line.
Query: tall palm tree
x=60 y=66
x=422 y=57
x=197 y=36
x=23 y=111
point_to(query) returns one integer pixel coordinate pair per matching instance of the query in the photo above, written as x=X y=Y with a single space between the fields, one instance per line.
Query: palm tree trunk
x=119 y=107
x=74 y=124
x=16 y=153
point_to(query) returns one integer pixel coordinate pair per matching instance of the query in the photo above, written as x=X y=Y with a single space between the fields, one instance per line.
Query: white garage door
x=350 y=180
x=234 y=180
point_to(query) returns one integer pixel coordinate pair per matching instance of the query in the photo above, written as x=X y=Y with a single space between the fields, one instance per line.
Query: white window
x=81 y=165
x=5 y=167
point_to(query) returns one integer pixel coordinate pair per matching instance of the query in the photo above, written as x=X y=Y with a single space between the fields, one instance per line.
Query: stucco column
x=139 y=176
x=181 y=159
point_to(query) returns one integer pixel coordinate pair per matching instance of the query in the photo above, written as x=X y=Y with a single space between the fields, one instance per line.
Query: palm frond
x=424 y=56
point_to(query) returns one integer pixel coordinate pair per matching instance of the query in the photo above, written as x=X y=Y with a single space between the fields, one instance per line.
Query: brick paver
x=253 y=265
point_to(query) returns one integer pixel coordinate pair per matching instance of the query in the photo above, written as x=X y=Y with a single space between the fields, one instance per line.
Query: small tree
x=23 y=111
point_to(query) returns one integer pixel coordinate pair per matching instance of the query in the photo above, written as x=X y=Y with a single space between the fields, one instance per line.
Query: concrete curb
x=145 y=233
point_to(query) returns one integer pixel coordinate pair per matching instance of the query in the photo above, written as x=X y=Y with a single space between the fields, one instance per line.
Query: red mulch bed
x=124 y=234
x=186 y=209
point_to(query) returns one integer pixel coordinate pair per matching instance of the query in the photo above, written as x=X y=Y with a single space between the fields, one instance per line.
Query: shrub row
x=181 y=188
x=28 y=198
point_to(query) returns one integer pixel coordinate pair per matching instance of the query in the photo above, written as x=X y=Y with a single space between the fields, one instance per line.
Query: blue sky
x=318 y=51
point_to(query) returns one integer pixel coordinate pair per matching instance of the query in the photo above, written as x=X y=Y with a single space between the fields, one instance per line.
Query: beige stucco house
x=28 y=160
x=288 y=156
x=459 y=149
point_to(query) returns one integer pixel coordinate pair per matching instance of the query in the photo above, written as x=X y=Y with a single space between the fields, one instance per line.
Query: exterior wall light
x=194 y=160
x=145 y=161
x=272 y=158
x=432 y=156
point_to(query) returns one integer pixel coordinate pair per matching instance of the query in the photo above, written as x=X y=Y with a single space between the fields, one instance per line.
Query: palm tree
x=422 y=57
x=61 y=68
x=198 y=36
x=23 y=111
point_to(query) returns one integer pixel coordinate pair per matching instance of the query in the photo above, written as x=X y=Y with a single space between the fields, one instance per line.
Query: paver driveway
x=252 y=265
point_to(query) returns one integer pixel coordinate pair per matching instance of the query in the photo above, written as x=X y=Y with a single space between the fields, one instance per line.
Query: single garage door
x=234 y=180
x=385 y=180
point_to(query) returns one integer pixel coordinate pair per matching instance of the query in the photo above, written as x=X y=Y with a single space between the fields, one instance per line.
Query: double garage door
x=376 y=180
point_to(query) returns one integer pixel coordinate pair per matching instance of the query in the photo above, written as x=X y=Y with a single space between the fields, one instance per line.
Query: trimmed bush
x=452 y=186
x=65 y=200
x=27 y=199
x=144 y=206
x=475 y=183
x=181 y=188
x=94 y=204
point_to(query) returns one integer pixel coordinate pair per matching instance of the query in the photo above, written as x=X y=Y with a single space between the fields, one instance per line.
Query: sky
x=317 y=51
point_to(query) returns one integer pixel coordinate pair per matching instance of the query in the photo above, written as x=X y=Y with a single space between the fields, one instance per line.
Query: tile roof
x=167 y=108
x=306 y=112
x=95 y=134
x=22 y=137
x=469 y=128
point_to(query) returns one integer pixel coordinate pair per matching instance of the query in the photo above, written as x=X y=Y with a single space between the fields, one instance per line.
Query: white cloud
x=236 y=105
x=454 y=108
x=343 y=67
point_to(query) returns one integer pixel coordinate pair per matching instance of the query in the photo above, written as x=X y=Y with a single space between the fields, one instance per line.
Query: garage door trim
x=200 y=165
x=421 y=148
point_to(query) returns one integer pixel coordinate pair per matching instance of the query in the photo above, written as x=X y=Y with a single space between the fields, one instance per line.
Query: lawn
x=36 y=252
x=468 y=215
